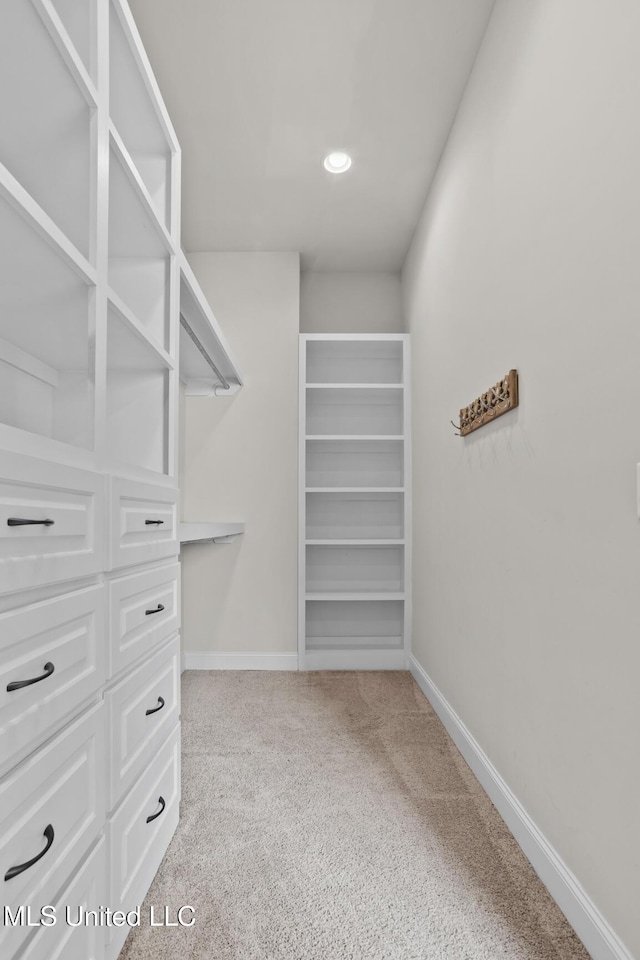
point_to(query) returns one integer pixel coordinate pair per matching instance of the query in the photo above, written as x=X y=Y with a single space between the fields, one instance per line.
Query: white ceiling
x=260 y=90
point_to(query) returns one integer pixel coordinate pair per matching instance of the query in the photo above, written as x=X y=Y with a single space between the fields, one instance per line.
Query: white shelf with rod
x=207 y=367
x=354 y=502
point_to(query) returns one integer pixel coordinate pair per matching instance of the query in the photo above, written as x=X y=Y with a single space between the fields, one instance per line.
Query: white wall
x=350 y=303
x=527 y=543
x=241 y=463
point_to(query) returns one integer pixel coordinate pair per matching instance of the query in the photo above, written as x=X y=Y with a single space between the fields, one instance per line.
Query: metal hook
x=457 y=426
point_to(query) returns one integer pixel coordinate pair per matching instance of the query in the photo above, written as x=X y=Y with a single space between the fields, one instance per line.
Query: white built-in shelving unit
x=89 y=386
x=354 y=497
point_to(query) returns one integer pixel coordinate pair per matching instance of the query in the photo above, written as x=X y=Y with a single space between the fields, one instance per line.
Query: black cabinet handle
x=158 y=609
x=18 y=684
x=150 y=522
x=155 y=709
x=14 y=871
x=154 y=816
x=21 y=522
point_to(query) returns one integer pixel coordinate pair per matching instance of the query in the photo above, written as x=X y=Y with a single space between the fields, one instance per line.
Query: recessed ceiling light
x=337 y=162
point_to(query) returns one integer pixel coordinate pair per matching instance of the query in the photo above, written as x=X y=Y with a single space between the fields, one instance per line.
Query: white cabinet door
x=141 y=710
x=144 y=523
x=74 y=941
x=144 y=611
x=51 y=522
x=52 y=660
x=140 y=832
x=52 y=811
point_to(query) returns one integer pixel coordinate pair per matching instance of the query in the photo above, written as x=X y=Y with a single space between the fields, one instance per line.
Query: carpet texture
x=329 y=816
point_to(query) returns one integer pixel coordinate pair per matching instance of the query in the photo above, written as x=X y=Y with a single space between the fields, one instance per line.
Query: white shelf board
x=365 y=338
x=354 y=489
x=205 y=356
x=360 y=595
x=139 y=187
x=63 y=41
x=135 y=229
x=131 y=322
x=355 y=386
x=353 y=642
x=209 y=532
x=353 y=660
x=374 y=542
x=33 y=214
x=354 y=436
x=135 y=98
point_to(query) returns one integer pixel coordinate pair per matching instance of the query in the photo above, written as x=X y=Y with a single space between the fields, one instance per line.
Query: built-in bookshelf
x=89 y=389
x=354 y=554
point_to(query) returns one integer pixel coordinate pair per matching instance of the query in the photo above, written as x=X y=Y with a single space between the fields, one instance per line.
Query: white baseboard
x=240 y=661
x=592 y=928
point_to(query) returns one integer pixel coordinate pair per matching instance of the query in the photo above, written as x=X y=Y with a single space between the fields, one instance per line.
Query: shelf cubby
x=355 y=412
x=139 y=254
x=37 y=106
x=354 y=624
x=137 y=390
x=136 y=117
x=354 y=463
x=354 y=361
x=337 y=569
x=46 y=353
x=355 y=516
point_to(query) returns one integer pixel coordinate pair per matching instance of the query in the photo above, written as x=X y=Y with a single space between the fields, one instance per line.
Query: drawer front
x=63 y=537
x=87 y=891
x=53 y=802
x=61 y=641
x=137 y=844
x=141 y=710
x=137 y=626
x=143 y=523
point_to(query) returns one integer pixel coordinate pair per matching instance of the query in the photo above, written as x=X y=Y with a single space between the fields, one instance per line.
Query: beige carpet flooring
x=328 y=816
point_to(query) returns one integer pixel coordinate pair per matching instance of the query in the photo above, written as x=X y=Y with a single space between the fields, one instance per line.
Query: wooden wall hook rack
x=490 y=405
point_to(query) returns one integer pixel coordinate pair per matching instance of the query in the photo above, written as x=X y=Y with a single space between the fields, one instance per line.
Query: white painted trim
x=583 y=915
x=241 y=661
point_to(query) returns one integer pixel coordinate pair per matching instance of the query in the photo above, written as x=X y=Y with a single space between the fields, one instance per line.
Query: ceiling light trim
x=337 y=161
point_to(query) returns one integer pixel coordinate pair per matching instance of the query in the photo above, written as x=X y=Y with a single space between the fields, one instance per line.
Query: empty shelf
x=210 y=532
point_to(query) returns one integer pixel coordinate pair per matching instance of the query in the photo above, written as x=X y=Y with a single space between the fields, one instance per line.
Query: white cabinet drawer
x=61 y=641
x=141 y=710
x=63 y=537
x=140 y=831
x=52 y=811
x=137 y=623
x=143 y=522
x=87 y=891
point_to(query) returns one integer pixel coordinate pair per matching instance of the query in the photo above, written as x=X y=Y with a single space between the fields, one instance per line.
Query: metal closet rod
x=223 y=380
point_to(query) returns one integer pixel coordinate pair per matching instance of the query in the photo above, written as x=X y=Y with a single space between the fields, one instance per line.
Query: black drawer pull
x=14 y=871
x=154 y=816
x=18 y=684
x=155 y=709
x=21 y=522
x=150 y=522
x=158 y=609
